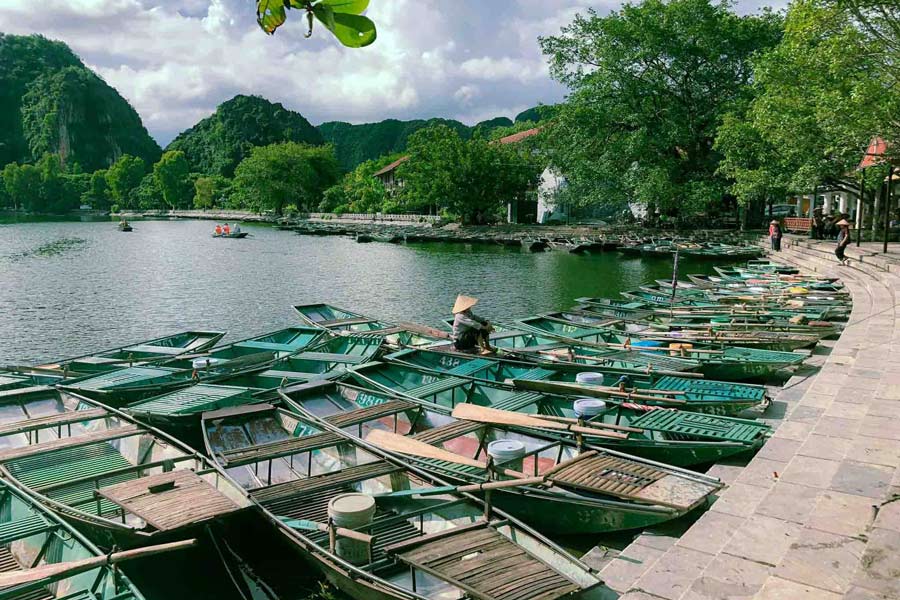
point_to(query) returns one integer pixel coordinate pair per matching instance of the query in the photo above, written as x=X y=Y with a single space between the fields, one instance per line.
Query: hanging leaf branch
x=343 y=18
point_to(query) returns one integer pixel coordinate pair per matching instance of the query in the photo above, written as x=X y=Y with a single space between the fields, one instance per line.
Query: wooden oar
x=601 y=358
x=474 y=487
x=484 y=414
x=68 y=569
x=552 y=387
x=425 y=330
x=594 y=423
x=412 y=447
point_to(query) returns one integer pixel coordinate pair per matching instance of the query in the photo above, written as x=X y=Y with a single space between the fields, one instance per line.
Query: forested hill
x=216 y=145
x=50 y=102
x=355 y=144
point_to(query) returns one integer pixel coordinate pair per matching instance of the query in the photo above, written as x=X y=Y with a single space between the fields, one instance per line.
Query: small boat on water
x=611 y=491
x=44 y=558
x=125 y=227
x=150 y=351
x=122 y=483
x=416 y=538
x=239 y=235
x=341 y=320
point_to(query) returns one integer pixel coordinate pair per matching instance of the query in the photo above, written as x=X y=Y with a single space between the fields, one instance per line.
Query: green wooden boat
x=732 y=363
x=680 y=438
x=449 y=390
x=766 y=339
x=152 y=351
x=276 y=343
x=11 y=381
x=178 y=412
x=120 y=482
x=709 y=311
x=294 y=467
x=33 y=537
x=337 y=319
x=495 y=370
x=596 y=505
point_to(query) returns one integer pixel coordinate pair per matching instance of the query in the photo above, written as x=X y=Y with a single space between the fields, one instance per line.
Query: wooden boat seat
x=192 y=400
x=699 y=425
x=9 y=454
x=470 y=367
x=447 y=432
x=432 y=389
x=122 y=377
x=536 y=374
x=8 y=563
x=361 y=415
x=601 y=473
x=485 y=564
x=96 y=360
x=278 y=449
x=289 y=374
x=269 y=346
x=191 y=500
x=65 y=418
x=716 y=388
x=34 y=524
x=337 y=357
x=149 y=349
x=336 y=323
x=518 y=401
x=336 y=479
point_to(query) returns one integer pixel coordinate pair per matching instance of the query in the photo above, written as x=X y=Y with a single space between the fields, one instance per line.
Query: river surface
x=69 y=288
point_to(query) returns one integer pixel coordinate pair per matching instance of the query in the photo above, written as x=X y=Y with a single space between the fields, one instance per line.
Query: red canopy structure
x=874 y=154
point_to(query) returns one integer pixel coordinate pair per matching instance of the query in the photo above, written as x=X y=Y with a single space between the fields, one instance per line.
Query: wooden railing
x=797 y=223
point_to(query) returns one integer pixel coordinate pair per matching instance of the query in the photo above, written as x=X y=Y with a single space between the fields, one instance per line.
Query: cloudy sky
x=175 y=60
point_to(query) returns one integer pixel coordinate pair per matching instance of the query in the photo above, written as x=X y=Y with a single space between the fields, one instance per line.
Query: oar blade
x=411 y=447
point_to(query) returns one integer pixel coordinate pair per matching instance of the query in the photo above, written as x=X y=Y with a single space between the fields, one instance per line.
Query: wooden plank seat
x=34 y=524
x=468 y=368
x=536 y=374
x=9 y=454
x=700 y=425
x=279 y=448
x=601 y=473
x=150 y=349
x=336 y=323
x=8 y=563
x=64 y=418
x=517 y=401
x=312 y=507
x=361 y=415
x=486 y=565
x=350 y=359
x=268 y=347
x=385 y=528
x=192 y=499
x=446 y=432
x=309 y=485
x=432 y=389
x=718 y=388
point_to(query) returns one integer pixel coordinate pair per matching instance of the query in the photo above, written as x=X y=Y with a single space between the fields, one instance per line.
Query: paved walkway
x=816 y=514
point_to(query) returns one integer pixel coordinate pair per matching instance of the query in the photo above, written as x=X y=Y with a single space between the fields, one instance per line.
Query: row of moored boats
x=399 y=467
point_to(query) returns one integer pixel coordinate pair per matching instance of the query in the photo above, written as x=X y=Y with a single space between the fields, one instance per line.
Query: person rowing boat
x=471 y=333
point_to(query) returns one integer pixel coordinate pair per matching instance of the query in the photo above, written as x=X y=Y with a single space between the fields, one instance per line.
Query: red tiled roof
x=874 y=153
x=391 y=166
x=518 y=137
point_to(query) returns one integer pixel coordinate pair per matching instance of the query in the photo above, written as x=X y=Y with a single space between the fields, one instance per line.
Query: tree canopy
x=650 y=85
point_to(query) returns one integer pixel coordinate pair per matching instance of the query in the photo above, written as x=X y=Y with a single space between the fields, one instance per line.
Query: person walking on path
x=775 y=235
x=843 y=240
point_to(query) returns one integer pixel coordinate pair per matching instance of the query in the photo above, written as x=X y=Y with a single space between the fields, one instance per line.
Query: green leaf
x=347 y=7
x=353 y=31
x=270 y=14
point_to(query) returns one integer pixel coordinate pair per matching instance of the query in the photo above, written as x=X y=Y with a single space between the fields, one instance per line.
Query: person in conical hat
x=471 y=333
x=843 y=241
x=775 y=234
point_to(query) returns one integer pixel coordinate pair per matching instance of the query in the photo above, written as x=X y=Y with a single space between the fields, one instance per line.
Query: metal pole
x=862 y=204
x=887 y=205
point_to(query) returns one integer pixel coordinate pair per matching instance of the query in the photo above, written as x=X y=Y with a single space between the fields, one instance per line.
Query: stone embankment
x=816 y=513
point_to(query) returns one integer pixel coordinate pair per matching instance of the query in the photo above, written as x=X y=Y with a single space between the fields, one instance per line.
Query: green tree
x=172 y=174
x=287 y=173
x=650 y=84
x=359 y=190
x=74 y=188
x=123 y=177
x=472 y=180
x=97 y=193
x=148 y=195
x=51 y=196
x=208 y=191
x=23 y=185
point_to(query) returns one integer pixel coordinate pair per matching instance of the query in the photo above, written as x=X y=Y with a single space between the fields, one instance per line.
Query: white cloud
x=175 y=60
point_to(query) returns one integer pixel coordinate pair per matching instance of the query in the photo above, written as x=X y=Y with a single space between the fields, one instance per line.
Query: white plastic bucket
x=507 y=453
x=588 y=407
x=588 y=378
x=352 y=511
x=201 y=363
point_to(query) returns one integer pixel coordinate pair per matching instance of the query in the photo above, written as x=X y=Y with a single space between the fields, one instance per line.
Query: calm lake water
x=69 y=288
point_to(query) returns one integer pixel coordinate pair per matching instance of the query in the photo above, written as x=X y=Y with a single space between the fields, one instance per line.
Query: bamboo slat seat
x=518 y=401
x=65 y=418
x=432 y=389
x=319 y=482
x=447 y=432
x=369 y=413
x=468 y=368
x=279 y=448
x=488 y=566
x=11 y=531
x=9 y=454
x=8 y=563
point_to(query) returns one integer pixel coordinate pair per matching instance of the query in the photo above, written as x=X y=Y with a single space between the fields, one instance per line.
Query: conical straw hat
x=463 y=303
x=843 y=222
